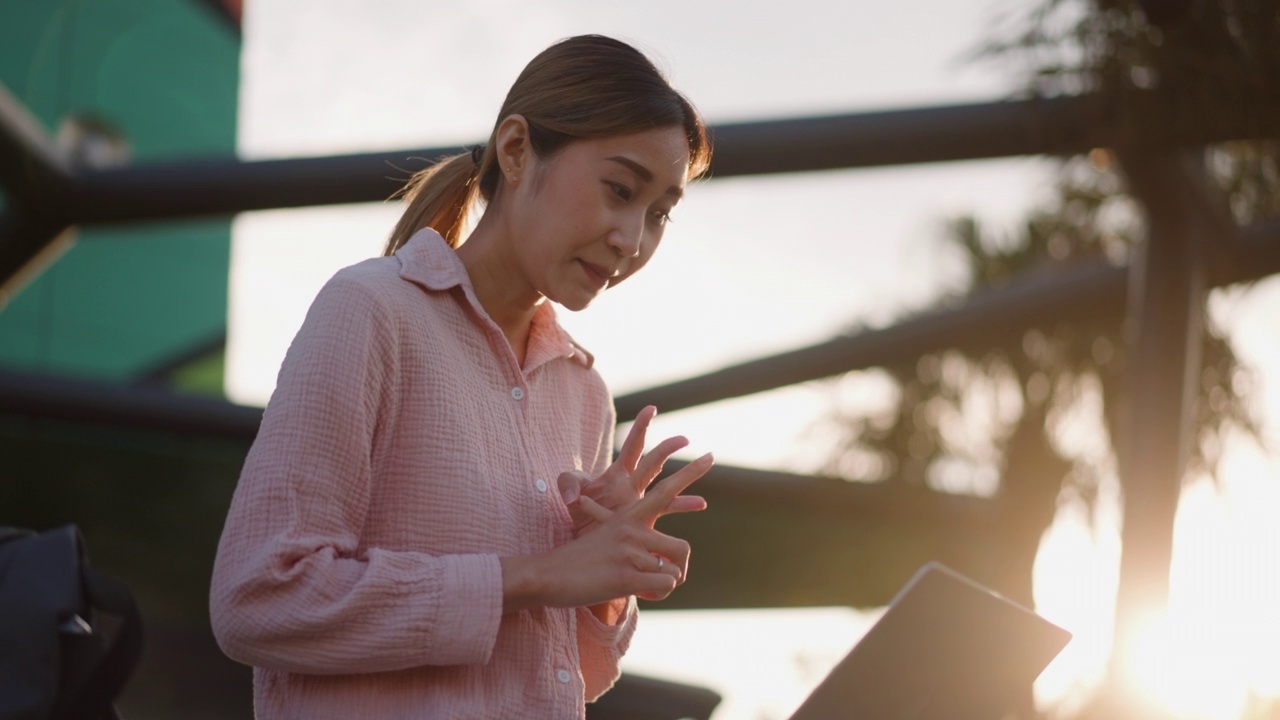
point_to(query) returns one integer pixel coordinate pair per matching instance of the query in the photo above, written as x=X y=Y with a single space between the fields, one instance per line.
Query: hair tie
x=477 y=154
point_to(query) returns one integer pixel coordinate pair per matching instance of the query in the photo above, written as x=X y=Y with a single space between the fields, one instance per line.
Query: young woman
x=431 y=523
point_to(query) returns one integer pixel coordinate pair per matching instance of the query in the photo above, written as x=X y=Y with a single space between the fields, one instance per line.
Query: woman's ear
x=514 y=148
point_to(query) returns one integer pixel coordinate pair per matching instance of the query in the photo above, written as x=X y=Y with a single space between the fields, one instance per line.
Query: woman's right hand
x=626 y=479
x=623 y=555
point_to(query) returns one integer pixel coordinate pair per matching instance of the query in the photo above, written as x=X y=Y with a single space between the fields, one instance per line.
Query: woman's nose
x=625 y=241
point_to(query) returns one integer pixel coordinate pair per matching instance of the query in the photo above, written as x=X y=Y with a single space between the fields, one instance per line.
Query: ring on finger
x=660 y=563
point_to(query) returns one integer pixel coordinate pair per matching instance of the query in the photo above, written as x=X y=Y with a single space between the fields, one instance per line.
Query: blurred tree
x=1006 y=421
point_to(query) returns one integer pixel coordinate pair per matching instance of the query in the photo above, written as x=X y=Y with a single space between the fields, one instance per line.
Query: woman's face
x=592 y=214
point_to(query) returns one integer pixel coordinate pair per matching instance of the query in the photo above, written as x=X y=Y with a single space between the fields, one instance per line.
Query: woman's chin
x=575 y=301
x=576 y=304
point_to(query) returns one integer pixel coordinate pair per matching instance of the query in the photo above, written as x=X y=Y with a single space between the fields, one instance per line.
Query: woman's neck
x=499 y=285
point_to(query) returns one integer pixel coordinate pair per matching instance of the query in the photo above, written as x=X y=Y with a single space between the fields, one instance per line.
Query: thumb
x=570 y=485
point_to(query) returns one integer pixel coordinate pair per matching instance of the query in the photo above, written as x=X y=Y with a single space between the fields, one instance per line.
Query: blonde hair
x=583 y=87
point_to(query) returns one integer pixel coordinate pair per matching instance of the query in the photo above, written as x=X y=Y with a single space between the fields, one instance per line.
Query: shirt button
x=562 y=675
x=541 y=485
x=517 y=393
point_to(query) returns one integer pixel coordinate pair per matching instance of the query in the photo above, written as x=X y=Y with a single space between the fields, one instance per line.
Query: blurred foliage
x=959 y=417
x=1220 y=58
x=1225 y=54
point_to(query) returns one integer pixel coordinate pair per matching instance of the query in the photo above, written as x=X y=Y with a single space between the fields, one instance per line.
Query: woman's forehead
x=660 y=155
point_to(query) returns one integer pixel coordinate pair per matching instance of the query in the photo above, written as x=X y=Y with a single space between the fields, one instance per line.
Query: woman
x=429 y=523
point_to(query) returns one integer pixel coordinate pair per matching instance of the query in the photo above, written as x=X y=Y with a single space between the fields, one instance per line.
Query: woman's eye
x=662 y=216
x=621 y=191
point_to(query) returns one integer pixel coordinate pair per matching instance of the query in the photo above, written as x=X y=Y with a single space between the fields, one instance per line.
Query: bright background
x=750 y=266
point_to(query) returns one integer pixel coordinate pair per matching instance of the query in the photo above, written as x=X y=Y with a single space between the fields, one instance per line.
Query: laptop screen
x=945 y=649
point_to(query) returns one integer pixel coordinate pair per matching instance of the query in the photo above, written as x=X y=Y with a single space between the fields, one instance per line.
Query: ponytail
x=438 y=197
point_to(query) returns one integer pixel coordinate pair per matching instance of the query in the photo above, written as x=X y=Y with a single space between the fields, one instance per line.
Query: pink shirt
x=403 y=452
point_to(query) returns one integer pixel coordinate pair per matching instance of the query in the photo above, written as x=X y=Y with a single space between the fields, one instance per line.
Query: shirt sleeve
x=601 y=646
x=292 y=588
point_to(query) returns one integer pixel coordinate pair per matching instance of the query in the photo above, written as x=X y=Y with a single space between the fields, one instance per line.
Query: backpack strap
x=106 y=594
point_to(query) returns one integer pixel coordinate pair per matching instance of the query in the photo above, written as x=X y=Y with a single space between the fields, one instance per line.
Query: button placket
x=517 y=393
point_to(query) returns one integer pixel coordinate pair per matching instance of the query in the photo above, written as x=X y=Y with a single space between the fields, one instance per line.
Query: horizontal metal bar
x=1039 y=126
x=851 y=500
x=60 y=398
x=1052 y=126
x=772 y=539
x=1088 y=293
x=150 y=408
x=204 y=187
x=1066 y=125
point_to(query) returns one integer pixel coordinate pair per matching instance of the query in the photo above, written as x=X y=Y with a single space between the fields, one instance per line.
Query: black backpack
x=70 y=636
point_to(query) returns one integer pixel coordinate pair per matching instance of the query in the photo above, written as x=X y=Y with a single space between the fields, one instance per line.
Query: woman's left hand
x=626 y=480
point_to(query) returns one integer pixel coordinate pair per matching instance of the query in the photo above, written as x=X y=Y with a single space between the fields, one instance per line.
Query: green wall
x=165 y=73
x=122 y=301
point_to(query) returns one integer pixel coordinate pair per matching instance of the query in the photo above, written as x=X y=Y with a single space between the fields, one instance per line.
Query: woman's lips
x=598 y=275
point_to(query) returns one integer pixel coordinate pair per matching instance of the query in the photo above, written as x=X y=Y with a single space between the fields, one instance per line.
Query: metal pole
x=32 y=171
x=28 y=244
x=1166 y=307
x=37 y=179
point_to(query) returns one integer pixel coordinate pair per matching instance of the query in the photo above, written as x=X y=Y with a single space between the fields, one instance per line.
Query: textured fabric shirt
x=402 y=453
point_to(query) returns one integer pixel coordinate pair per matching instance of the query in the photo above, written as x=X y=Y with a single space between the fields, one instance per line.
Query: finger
x=654 y=586
x=596 y=489
x=651 y=506
x=593 y=509
x=655 y=596
x=672 y=569
x=658 y=564
x=666 y=577
x=651 y=464
x=633 y=446
x=685 y=504
x=672 y=550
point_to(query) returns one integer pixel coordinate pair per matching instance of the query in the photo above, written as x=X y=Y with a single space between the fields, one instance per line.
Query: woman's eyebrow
x=643 y=172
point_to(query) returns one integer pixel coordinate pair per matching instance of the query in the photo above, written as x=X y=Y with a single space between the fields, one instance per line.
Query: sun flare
x=1190 y=671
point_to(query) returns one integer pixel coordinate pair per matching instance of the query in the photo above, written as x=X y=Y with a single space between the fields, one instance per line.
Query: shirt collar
x=427 y=260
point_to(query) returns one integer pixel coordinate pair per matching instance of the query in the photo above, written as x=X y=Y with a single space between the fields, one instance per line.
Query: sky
x=749 y=267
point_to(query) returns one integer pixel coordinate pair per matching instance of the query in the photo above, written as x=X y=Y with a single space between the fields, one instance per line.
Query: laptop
x=946 y=648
